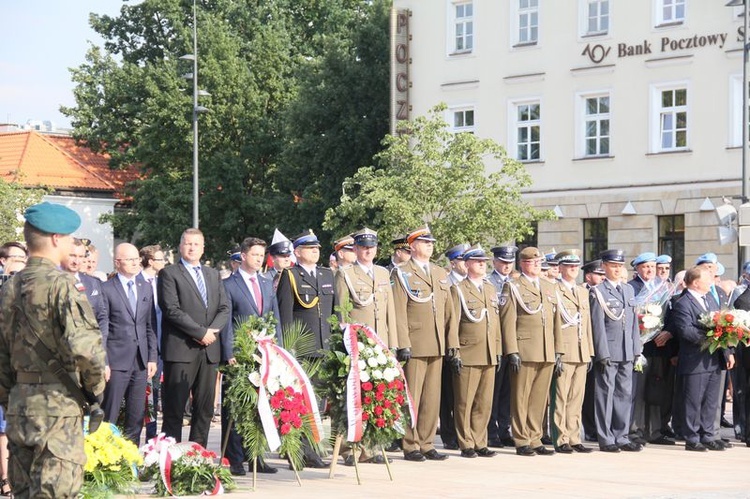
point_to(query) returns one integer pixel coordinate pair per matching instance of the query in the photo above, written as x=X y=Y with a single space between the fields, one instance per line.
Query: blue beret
x=663 y=259
x=52 y=218
x=707 y=258
x=644 y=257
x=720 y=269
x=456 y=251
x=612 y=255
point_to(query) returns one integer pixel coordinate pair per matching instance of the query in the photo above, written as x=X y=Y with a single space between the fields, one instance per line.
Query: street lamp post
x=196 y=111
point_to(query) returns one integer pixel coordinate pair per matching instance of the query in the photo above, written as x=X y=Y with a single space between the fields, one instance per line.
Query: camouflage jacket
x=58 y=309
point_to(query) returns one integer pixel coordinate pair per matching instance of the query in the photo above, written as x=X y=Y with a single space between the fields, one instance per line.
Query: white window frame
x=583 y=14
x=451 y=118
x=453 y=22
x=516 y=13
x=735 y=111
x=581 y=121
x=514 y=124
x=661 y=5
x=656 y=111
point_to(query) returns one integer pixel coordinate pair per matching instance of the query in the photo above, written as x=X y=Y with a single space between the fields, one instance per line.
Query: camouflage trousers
x=46 y=456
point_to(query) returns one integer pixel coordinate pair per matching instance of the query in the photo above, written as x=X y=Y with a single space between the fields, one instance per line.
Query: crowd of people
x=537 y=358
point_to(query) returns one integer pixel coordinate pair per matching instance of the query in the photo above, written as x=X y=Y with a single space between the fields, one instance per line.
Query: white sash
x=353 y=294
x=482 y=314
x=607 y=310
x=517 y=294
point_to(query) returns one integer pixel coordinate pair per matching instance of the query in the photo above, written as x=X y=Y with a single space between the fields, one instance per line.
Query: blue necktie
x=201 y=285
x=131 y=296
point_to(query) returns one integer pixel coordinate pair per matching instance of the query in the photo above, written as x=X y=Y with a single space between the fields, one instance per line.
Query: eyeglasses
x=159 y=259
x=129 y=260
x=20 y=258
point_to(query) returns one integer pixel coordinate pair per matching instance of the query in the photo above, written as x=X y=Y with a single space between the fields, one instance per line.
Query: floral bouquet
x=726 y=328
x=111 y=463
x=651 y=307
x=184 y=468
x=367 y=392
x=270 y=396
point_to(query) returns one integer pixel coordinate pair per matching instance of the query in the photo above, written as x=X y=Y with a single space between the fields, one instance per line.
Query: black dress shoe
x=495 y=442
x=525 y=450
x=546 y=440
x=450 y=446
x=394 y=447
x=415 y=456
x=263 y=467
x=470 y=453
x=582 y=448
x=349 y=460
x=485 y=452
x=543 y=451
x=433 y=455
x=564 y=449
x=638 y=440
x=376 y=459
x=714 y=445
x=695 y=446
x=314 y=461
x=725 y=424
x=237 y=469
x=631 y=447
x=610 y=448
x=726 y=443
x=663 y=440
x=508 y=442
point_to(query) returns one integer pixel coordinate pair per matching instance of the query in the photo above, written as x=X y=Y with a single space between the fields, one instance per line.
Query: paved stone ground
x=656 y=472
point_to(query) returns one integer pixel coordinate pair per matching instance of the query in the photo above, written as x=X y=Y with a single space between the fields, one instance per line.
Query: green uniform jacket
x=61 y=314
x=575 y=349
x=479 y=341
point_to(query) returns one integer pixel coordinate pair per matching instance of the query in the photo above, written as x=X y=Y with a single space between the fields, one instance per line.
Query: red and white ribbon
x=355 y=426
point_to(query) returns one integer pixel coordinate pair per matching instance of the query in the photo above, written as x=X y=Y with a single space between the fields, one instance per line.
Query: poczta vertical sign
x=399 y=67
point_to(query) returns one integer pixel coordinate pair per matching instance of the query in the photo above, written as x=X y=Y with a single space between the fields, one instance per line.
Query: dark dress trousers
x=499 y=425
x=189 y=365
x=241 y=306
x=130 y=344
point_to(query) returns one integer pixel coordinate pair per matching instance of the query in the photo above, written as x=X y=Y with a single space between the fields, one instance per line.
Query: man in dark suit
x=129 y=341
x=91 y=285
x=701 y=370
x=617 y=343
x=498 y=429
x=194 y=311
x=306 y=294
x=248 y=294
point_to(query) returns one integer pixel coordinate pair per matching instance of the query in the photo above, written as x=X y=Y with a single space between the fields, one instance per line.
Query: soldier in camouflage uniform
x=44 y=420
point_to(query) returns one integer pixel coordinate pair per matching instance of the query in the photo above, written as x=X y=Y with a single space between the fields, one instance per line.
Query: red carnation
x=289 y=390
x=380 y=422
x=394 y=411
x=400 y=399
x=729 y=318
x=386 y=403
x=365 y=416
x=297 y=422
x=381 y=387
x=367 y=400
x=285 y=428
x=367 y=386
x=286 y=416
x=275 y=403
x=379 y=396
x=378 y=410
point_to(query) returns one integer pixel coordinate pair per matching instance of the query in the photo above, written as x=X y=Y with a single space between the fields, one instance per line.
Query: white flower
x=381 y=359
x=377 y=374
x=378 y=349
x=651 y=322
x=273 y=384
x=360 y=345
x=364 y=376
x=372 y=362
x=390 y=373
x=653 y=309
x=254 y=378
x=362 y=364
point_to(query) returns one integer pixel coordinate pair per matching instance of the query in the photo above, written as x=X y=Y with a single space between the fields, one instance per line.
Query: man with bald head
x=129 y=340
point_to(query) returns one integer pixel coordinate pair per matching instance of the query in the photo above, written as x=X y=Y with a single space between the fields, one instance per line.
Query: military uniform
x=531 y=329
x=425 y=323
x=577 y=347
x=480 y=346
x=44 y=420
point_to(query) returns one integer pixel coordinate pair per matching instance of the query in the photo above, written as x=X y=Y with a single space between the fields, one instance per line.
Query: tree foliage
x=281 y=74
x=14 y=199
x=427 y=174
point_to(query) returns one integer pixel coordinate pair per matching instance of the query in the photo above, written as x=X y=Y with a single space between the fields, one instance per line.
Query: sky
x=39 y=41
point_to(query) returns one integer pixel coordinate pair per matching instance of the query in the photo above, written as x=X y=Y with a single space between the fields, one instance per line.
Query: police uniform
x=577 y=347
x=44 y=421
x=587 y=414
x=281 y=246
x=307 y=298
x=617 y=343
x=531 y=329
x=426 y=327
x=479 y=348
x=498 y=429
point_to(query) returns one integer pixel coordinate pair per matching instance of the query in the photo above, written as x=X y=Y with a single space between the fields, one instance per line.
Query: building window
x=596 y=125
x=462 y=120
x=528 y=22
x=670 y=12
x=462 y=24
x=672 y=240
x=597 y=17
x=595 y=238
x=735 y=112
x=526 y=131
x=669 y=125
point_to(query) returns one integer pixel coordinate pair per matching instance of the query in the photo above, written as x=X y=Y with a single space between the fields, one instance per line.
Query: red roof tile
x=55 y=161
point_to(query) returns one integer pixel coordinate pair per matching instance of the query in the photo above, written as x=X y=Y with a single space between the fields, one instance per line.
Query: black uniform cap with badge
x=307 y=239
x=457 y=251
x=400 y=244
x=367 y=238
x=613 y=256
x=281 y=248
x=505 y=254
x=593 y=267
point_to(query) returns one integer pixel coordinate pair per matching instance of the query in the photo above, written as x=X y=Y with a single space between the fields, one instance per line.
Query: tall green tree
x=427 y=174
x=254 y=57
x=14 y=199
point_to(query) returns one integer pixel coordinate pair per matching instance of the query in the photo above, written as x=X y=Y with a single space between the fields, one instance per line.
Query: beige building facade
x=627 y=113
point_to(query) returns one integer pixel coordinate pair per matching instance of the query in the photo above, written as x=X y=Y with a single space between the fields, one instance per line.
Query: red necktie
x=256 y=292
